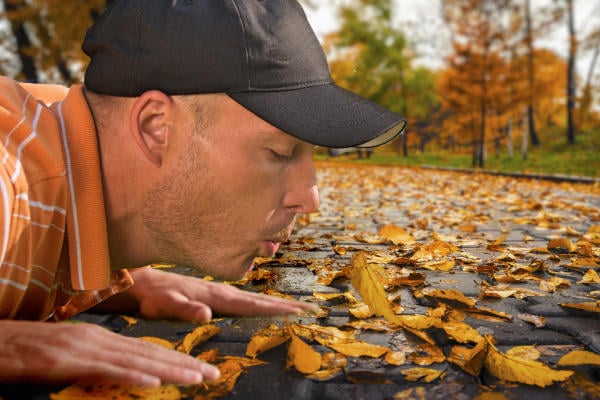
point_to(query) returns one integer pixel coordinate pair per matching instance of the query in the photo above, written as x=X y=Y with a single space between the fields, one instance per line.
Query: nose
x=302 y=194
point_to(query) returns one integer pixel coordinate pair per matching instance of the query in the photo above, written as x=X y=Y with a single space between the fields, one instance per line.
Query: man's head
x=217 y=105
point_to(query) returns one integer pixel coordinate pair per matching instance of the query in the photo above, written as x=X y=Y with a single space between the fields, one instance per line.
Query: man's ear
x=150 y=124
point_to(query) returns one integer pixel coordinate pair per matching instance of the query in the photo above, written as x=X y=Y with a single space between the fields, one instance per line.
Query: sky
x=422 y=21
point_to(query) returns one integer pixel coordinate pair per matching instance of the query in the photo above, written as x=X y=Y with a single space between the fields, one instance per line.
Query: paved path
x=471 y=211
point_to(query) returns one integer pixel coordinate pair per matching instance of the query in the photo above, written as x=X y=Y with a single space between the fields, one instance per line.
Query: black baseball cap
x=262 y=53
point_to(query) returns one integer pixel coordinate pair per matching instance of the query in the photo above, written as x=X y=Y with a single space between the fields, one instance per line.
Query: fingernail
x=192 y=376
x=150 y=381
x=212 y=373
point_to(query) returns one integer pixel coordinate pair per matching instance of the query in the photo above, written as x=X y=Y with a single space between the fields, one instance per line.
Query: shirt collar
x=86 y=217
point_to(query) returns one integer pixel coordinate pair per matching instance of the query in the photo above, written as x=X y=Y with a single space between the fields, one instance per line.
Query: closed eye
x=281 y=157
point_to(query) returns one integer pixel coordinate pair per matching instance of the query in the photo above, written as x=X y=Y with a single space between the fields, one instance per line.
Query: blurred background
x=505 y=85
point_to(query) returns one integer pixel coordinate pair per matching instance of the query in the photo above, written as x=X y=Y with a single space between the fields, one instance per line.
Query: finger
x=244 y=303
x=152 y=359
x=181 y=308
x=93 y=371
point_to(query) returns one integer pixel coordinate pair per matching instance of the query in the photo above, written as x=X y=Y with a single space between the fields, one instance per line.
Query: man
x=190 y=142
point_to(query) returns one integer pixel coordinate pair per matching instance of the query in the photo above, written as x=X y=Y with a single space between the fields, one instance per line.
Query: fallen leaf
x=427 y=354
x=395 y=234
x=302 y=356
x=157 y=340
x=525 y=352
x=561 y=245
x=590 y=306
x=198 y=335
x=450 y=295
x=395 y=357
x=591 y=276
x=536 y=320
x=266 y=339
x=230 y=370
x=580 y=357
x=470 y=360
x=520 y=370
x=461 y=332
x=422 y=374
x=367 y=280
x=107 y=391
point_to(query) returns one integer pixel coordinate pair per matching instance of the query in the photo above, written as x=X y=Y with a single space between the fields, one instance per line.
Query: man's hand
x=67 y=352
x=166 y=295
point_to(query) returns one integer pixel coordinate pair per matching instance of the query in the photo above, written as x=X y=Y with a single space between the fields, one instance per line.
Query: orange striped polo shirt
x=53 y=241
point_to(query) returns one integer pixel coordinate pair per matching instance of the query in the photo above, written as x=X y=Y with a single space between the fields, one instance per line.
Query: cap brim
x=325 y=115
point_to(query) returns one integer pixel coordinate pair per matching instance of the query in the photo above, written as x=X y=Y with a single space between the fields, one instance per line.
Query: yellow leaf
x=366 y=279
x=433 y=250
x=360 y=311
x=162 y=342
x=230 y=371
x=395 y=357
x=427 y=354
x=130 y=320
x=424 y=374
x=266 y=339
x=516 y=369
x=471 y=360
x=395 y=234
x=579 y=357
x=302 y=356
x=591 y=306
x=111 y=391
x=550 y=285
x=354 y=348
x=562 y=245
x=441 y=265
x=461 y=332
x=590 y=277
x=525 y=352
x=197 y=336
x=449 y=294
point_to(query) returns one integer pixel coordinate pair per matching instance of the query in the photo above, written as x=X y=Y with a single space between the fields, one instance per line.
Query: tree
x=476 y=86
x=371 y=57
x=571 y=73
x=535 y=141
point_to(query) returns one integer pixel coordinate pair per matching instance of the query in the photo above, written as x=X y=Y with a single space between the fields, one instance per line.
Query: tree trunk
x=29 y=70
x=531 y=75
x=571 y=75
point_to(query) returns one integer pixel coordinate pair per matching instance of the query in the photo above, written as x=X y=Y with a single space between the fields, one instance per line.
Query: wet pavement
x=497 y=223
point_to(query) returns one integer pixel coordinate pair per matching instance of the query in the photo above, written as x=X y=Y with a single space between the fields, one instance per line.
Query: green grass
x=553 y=156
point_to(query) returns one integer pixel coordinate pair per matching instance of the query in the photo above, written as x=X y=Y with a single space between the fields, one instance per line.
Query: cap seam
x=300 y=85
x=243 y=26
